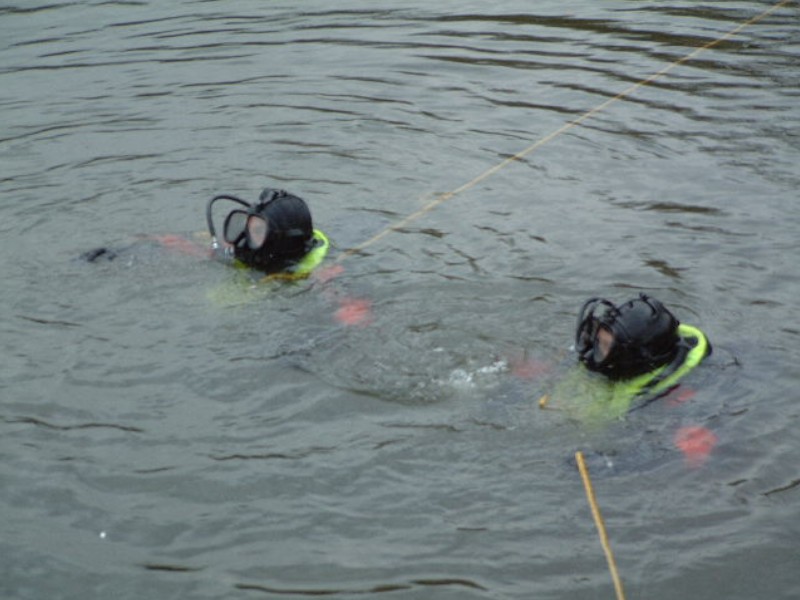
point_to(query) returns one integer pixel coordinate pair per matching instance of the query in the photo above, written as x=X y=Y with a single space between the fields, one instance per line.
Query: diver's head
x=267 y=235
x=627 y=340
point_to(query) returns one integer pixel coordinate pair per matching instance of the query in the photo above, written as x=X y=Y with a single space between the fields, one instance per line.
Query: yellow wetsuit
x=591 y=398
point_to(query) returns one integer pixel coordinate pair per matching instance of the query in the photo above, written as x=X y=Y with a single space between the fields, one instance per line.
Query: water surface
x=169 y=433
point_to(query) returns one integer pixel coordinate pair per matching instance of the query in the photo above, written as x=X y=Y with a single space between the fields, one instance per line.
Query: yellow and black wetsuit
x=593 y=399
x=303 y=267
x=245 y=288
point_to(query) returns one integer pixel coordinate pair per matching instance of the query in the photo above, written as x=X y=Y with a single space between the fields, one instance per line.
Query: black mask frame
x=639 y=342
x=241 y=237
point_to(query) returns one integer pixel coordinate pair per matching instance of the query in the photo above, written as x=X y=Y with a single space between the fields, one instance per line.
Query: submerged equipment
x=276 y=234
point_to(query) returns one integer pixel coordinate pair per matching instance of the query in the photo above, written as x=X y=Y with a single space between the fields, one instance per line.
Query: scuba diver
x=639 y=346
x=629 y=355
x=275 y=236
x=273 y=239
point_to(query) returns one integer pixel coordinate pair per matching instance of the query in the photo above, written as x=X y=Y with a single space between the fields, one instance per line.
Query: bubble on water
x=464 y=379
x=461 y=379
x=499 y=366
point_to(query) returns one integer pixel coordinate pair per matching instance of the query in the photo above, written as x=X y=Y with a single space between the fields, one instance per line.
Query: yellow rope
x=601 y=528
x=441 y=198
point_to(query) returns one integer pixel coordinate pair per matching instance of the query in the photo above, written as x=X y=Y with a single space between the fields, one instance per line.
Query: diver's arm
x=169 y=242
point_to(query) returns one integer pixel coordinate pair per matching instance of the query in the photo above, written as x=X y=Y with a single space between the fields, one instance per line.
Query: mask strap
x=268 y=195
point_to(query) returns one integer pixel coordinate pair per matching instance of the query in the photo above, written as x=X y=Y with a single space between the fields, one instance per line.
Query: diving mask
x=278 y=228
x=246 y=227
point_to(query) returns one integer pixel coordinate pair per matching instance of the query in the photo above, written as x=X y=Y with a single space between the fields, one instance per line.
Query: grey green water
x=166 y=432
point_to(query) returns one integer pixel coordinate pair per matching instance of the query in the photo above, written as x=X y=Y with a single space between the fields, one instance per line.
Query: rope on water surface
x=601 y=528
x=441 y=198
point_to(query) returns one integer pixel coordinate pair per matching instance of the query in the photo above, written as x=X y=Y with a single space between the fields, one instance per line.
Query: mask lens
x=603 y=343
x=235 y=224
x=257 y=231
